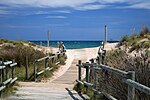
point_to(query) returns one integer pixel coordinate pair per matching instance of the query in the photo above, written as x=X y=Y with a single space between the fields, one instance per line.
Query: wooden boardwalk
x=72 y=73
x=59 y=89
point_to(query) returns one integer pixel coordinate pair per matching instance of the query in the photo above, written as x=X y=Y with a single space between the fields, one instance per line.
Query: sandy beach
x=71 y=54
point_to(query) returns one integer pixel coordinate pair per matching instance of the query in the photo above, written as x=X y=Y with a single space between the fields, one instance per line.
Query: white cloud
x=62 y=11
x=90 y=7
x=140 y=5
x=58 y=24
x=76 y=4
x=59 y=17
x=46 y=3
x=41 y=12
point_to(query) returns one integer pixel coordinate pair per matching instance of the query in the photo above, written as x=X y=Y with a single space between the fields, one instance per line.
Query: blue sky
x=72 y=19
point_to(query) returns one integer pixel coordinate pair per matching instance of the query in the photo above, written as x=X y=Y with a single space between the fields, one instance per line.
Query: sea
x=72 y=44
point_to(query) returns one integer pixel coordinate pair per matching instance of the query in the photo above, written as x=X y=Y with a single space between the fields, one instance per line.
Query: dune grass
x=137 y=41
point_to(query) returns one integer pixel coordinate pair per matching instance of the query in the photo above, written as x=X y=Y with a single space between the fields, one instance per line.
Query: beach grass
x=137 y=41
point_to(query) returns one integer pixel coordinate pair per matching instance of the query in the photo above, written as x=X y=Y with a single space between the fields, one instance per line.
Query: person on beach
x=61 y=47
x=101 y=53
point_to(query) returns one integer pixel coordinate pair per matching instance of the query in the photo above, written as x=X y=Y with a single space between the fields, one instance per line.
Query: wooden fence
x=7 y=69
x=97 y=65
x=7 y=76
x=54 y=60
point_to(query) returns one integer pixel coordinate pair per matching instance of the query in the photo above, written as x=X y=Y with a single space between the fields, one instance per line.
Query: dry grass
x=121 y=60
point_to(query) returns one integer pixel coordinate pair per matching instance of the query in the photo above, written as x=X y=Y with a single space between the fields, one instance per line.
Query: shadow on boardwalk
x=74 y=97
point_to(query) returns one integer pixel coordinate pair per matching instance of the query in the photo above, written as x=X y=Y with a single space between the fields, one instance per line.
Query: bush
x=125 y=38
x=19 y=53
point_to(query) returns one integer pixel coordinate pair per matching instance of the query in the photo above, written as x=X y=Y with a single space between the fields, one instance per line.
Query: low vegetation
x=23 y=52
x=123 y=61
x=137 y=41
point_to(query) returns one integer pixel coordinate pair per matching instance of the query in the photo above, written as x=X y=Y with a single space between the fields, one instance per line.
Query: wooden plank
x=48 y=68
x=114 y=70
x=89 y=64
x=40 y=72
x=14 y=64
x=2 y=88
x=7 y=63
x=108 y=96
x=38 y=60
x=57 y=63
x=80 y=82
x=13 y=80
x=88 y=84
x=2 y=67
x=138 y=86
x=52 y=57
x=7 y=81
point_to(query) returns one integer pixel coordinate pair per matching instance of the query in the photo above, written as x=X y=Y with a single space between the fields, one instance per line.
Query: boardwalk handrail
x=46 y=67
x=127 y=77
x=138 y=86
x=6 y=78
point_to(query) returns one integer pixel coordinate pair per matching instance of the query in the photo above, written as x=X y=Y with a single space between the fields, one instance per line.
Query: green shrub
x=19 y=52
x=125 y=38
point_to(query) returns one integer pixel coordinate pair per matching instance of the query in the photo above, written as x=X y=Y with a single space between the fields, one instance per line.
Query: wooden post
x=0 y=76
x=105 y=34
x=95 y=83
x=131 y=90
x=27 y=65
x=58 y=56
x=48 y=34
x=7 y=70
x=46 y=67
x=46 y=63
x=3 y=76
x=79 y=76
x=34 y=70
x=87 y=73
x=91 y=71
x=12 y=72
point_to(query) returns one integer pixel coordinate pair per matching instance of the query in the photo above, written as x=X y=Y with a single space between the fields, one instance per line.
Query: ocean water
x=71 y=44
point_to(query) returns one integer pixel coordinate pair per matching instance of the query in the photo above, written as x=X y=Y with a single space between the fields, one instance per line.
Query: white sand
x=62 y=69
x=89 y=53
x=110 y=46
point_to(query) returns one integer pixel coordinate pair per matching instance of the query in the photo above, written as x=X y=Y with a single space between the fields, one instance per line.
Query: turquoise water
x=72 y=44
